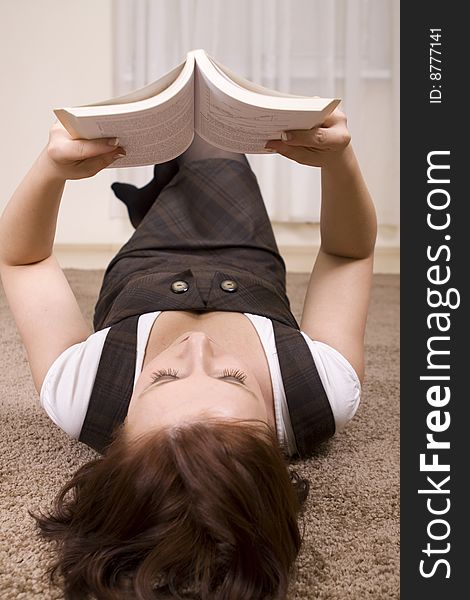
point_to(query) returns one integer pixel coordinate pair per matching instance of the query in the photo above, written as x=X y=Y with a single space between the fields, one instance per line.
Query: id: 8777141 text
x=435 y=66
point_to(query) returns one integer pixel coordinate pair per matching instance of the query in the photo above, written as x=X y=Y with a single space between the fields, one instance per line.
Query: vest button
x=228 y=285
x=180 y=286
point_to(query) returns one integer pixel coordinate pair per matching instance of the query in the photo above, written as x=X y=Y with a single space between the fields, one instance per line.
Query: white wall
x=56 y=53
x=59 y=53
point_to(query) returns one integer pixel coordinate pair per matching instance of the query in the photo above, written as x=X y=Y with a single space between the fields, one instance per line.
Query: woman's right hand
x=79 y=159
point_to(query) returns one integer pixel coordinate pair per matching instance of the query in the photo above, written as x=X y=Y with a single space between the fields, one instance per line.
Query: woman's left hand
x=318 y=146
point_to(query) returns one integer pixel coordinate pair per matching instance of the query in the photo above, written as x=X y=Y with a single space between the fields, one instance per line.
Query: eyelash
x=235 y=373
x=163 y=373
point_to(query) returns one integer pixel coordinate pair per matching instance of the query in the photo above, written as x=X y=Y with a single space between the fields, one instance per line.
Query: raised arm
x=43 y=305
x=337 y=300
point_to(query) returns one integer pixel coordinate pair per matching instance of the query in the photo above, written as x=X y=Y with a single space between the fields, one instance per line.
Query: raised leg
x=139 y=200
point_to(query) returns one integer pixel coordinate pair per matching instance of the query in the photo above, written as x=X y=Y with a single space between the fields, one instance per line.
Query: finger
x=91 y=166
x=64 y=150
x=85 y=149
x=323 y=138
x=303 y=156
x=332 y=128
x=337 y=116
x=299 y=154
x=61 y=136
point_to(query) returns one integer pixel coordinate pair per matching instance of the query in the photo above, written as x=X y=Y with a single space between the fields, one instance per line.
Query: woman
x=197 y=384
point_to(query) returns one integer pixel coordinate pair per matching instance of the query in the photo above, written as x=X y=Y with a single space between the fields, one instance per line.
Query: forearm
x=28 y=223
x=348 y=221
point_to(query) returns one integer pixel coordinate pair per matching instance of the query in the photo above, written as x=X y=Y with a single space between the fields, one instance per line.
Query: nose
x=199 y=349
x=197 y=337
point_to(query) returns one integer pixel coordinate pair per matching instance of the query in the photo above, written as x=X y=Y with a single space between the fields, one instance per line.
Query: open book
x=156 y=123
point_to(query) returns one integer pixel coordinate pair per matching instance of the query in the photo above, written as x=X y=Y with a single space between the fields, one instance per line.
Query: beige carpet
x=351 y=539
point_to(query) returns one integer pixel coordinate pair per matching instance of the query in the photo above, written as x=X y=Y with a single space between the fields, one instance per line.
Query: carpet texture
x=351 y=525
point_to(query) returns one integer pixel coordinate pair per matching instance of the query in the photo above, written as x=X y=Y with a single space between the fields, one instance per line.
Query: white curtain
x=331 y=48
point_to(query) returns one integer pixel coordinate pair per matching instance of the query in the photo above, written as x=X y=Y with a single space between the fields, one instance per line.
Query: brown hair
x=208 y=507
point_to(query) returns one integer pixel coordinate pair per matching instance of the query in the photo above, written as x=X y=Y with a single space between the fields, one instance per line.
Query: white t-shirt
x=67 y=387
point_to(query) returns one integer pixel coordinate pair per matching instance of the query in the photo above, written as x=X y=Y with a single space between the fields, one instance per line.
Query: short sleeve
x=339 y=379
x=66 y=389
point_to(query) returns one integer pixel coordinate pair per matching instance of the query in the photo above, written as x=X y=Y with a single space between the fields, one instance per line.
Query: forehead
x=179 y=400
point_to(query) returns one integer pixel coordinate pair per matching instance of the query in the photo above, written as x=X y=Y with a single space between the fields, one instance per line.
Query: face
x=194 y=377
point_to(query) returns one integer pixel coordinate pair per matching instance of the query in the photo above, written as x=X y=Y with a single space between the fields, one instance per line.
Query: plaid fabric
x=211 y=216
x=112 y=389
x=309 y=410
x=207 y=227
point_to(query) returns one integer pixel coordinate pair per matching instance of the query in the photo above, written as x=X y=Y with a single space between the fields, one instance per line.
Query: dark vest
x=310 y=412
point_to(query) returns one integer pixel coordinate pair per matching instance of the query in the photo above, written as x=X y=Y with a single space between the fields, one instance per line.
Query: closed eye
x=164 y=374
x=171 y=374
x=234 y=374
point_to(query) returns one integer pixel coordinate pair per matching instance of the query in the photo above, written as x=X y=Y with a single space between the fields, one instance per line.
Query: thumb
x=92 y=166
x=300 y=154
x=84 y=149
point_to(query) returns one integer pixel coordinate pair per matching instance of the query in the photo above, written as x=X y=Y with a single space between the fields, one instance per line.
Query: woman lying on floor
x=197 y=385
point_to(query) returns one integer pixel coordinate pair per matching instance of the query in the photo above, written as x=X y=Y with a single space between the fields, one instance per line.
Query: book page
x=149 y=134
x=232 y=124
x=148 y=91
x=163 y=133
x=246 y=84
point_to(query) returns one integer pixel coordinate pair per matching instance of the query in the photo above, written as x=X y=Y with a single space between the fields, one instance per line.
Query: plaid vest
x=237 y=291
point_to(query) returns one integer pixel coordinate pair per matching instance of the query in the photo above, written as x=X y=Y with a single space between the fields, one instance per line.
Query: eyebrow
x=157 y=384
